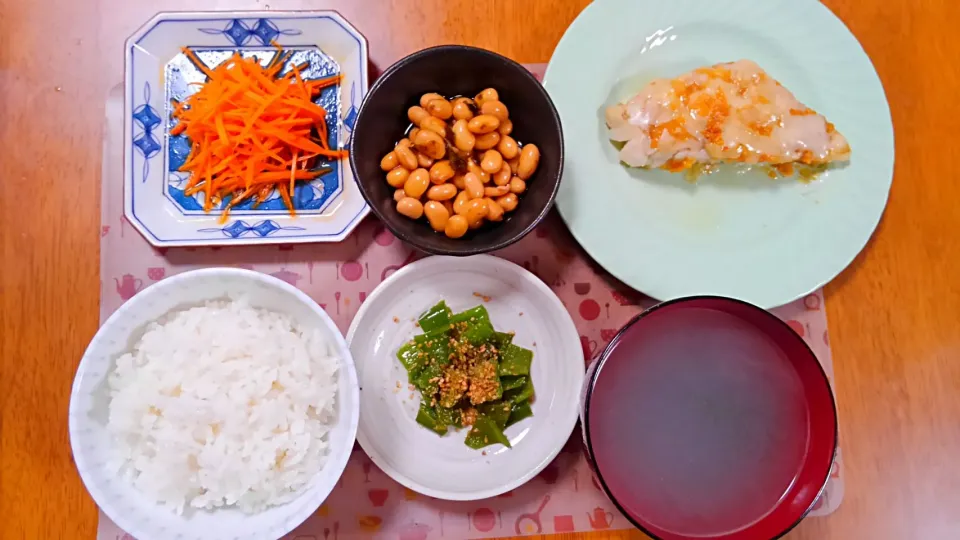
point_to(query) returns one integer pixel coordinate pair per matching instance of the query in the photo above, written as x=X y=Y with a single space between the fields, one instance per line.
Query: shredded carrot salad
x=253 y=131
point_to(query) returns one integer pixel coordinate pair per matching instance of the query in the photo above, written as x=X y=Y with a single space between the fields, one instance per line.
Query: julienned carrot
x=252 y=131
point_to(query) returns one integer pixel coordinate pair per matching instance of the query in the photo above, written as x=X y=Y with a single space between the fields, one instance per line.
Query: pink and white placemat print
x=367 y=503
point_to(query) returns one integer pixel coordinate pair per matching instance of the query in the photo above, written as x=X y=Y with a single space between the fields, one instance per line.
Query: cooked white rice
x=223 y=405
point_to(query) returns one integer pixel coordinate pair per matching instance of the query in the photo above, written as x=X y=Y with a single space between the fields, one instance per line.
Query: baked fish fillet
x=727 y=113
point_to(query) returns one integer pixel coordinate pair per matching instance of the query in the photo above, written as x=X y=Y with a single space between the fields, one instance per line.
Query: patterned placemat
x=366 y=503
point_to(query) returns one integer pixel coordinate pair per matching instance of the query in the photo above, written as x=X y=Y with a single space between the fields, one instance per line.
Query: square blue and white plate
x=328 y=207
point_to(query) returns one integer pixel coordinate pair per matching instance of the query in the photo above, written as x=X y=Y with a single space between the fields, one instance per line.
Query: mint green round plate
x=733 y=234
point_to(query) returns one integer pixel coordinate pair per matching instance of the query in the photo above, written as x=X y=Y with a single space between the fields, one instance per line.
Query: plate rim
x=155 y=238
x=669 y=292
x=572 y=416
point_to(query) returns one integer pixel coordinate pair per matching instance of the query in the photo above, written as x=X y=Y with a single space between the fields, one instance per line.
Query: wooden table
x=894 y=315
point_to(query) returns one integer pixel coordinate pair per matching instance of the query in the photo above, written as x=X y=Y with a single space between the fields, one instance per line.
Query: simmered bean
x=410 y=207
x=417 y=183
x=439 y=108
x=462 y=108
x=496 y=191
x=456 y=227
x=424 y=160
x=430 y=144
x=476 y=211
x=463 y=139
x=437 y=215
x=442 y=192
x=494 y=210
x=405 y=156
x=417 y=114
x=487 y=141
x=397 y=177
x=428 y=97
x=434 y=124
x=492 y=161
x=483 y=124
x=448 y=136
x=514 y=164
x=476 y=169
x=441 y=172
x=508 y=147
x=529 y=159
x=474 y=187
x=508 y=202
x=502 y=177
x=495 y=108
x=490 y=94
x=460 y=203
x=389 y=161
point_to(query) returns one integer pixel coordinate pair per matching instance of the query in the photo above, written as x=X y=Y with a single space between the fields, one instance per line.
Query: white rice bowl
x=219 y=403
x=223 y=404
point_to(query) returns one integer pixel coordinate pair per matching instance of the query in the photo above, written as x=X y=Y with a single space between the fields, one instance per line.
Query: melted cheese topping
x=727 y=113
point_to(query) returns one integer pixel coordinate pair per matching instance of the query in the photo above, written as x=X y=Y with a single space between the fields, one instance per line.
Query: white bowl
x=92 y=444
x=443 y=467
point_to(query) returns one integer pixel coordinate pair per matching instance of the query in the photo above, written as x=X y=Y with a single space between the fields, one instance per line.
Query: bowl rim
x=335 y=463
x=468 y=248
x=597 y=364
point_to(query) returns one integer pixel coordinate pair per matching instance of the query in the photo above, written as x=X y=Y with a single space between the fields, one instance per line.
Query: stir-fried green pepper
x=435 y=318
x=427 y=417
x=484 y=433
x=519 y=412
x=428 y=379
x=520 y=395
x=498 y=411
x=478 y=330
x=409 y=358
x=449 y=417
x=502 y=339
x=512 y=383
x=435 y=346
x=468 y=374
x=515 y=361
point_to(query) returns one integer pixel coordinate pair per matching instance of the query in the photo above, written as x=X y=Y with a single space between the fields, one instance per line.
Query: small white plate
x=328 y=208
x=745 y=236
x=443 y=467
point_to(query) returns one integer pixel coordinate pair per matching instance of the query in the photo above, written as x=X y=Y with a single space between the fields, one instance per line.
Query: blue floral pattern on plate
x=239 y=228
x=240 y=33
x=146 y=118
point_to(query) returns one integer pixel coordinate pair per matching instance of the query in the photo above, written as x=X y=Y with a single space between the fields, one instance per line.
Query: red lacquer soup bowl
x=709 y=418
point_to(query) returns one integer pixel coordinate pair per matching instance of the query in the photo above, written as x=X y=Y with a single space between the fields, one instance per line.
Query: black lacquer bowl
x=454 y=70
